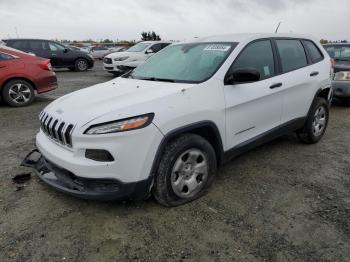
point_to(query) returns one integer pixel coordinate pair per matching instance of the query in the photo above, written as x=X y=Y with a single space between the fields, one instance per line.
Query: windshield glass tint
x=185 y=62
x=339 y=52
x=138 y=47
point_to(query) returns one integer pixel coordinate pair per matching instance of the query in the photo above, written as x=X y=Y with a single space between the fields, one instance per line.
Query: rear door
x=253 y=109
x=301 y=78
x=39 y=48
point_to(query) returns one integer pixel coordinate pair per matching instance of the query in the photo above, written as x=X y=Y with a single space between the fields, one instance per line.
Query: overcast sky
x=172 y=19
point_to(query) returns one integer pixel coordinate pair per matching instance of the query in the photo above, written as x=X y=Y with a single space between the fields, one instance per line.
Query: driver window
x=259 y=56
x=55 y=47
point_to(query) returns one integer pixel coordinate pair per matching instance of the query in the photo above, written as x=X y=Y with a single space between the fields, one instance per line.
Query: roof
x=155 y=42
x=248 y=37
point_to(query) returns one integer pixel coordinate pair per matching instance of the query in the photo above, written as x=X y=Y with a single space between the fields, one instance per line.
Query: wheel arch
x=205 y=129
x=19 y=78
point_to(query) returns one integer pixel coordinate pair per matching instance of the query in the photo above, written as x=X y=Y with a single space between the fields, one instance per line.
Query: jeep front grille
x=56 y=129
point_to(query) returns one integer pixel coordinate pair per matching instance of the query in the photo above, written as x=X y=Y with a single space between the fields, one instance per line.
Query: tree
x=150 y=36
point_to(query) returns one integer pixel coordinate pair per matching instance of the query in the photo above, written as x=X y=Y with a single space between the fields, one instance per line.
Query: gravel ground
x=284 y=201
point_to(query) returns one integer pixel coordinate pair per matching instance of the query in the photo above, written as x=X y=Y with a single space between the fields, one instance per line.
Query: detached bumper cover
x=86 y=188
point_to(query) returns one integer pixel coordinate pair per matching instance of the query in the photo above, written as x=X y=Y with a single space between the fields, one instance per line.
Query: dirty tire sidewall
x=306 y=134
x=9 y=100
x=162 y=189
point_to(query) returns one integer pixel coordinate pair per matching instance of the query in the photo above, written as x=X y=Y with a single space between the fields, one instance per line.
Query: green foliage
x=150 y=36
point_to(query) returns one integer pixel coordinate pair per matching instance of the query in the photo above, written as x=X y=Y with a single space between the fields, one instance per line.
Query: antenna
x=278 y=26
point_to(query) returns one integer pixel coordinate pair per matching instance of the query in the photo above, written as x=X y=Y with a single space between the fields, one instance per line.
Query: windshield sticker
x=217 y=47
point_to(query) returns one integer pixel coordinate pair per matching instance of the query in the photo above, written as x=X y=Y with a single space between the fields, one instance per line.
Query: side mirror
x=242 y=76
x=65 y=50
x=150 y=51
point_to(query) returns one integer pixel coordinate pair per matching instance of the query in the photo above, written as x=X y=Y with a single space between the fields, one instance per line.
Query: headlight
x=122 y=125
x=342 y=76
x=121 y=58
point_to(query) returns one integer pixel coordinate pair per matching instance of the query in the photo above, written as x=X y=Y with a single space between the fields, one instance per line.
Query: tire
x=316 y=123
x=18 y=93
x=81 y=65
x=188 y=161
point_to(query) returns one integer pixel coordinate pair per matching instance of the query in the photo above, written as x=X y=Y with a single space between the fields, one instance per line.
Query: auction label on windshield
x=217 y=47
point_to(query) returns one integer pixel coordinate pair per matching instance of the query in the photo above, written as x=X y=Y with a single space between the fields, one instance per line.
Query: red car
x=22 y=74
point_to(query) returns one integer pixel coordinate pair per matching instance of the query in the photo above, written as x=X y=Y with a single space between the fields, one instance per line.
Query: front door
x=252 y=109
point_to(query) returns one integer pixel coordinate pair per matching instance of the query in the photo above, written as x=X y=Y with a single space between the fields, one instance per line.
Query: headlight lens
x=121 y=58
x=122 y=125
x=342 y=76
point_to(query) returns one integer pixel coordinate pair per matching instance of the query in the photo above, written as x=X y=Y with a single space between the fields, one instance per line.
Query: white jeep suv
x=120 y=62
x=164 y=128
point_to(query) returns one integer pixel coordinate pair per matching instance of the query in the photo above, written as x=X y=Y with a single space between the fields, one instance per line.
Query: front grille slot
x=56 y=129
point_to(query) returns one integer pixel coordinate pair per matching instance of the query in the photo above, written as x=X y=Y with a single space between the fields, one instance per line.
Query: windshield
x=187 y=63
x=138 y=47
x=339 y=52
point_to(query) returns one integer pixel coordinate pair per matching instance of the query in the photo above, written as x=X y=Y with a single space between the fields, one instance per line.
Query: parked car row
x=164 y=128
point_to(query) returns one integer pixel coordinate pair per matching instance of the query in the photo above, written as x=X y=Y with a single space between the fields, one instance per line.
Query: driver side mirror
x=150 y=51
x=65 y=50
x=242 y=76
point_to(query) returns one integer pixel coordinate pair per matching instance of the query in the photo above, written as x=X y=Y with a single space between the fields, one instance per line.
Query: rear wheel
x=81 y=65
x=186 y=170
x=316 y=122
x=18 y=93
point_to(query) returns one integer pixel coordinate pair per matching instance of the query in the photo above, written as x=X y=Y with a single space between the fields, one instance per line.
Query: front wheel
x=81 y=65
x=186 y=170
x=316 y=123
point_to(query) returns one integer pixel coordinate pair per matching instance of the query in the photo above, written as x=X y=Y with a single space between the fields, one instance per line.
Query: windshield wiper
x=158 y=79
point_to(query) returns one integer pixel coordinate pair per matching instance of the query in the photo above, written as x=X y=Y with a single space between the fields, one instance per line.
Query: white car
x=100 y=52
x=164 y=128
x=121 y=62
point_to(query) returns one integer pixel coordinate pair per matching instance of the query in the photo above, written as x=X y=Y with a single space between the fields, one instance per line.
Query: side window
x=165 y=45
x=314 y=52
x=36 y=45
x=54 y=47
x=292 y=54
x=345 y=52
x=259 y=56
x=20 y=45
x=5 y=57
x=156 y=48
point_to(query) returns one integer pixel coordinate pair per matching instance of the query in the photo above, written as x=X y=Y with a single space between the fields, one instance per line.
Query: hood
x=121 y=54
x=112 y=100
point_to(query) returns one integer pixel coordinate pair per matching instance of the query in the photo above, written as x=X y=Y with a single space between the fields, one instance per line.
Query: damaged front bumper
x=86 y=188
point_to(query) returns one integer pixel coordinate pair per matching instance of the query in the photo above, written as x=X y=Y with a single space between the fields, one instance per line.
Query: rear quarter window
x=314 y=52
x=5 y=57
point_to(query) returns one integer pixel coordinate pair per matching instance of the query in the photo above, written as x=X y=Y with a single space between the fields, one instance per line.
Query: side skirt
x=272 y=134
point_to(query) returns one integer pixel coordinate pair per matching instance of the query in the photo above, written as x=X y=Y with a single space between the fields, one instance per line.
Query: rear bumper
x=86 y=188
x=341 y=89
x=47 y=83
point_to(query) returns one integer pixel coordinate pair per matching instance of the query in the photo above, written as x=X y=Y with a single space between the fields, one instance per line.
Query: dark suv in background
x=60 y=55
x=340 y=52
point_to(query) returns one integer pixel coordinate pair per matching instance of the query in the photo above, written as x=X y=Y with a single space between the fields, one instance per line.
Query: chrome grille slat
x=56 y=129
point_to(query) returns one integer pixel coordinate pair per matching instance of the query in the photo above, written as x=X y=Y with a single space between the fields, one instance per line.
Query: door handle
x=314 y=73
x=275 y=85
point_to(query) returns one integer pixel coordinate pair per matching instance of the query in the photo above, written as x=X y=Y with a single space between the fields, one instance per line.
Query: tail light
x=46 y=65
